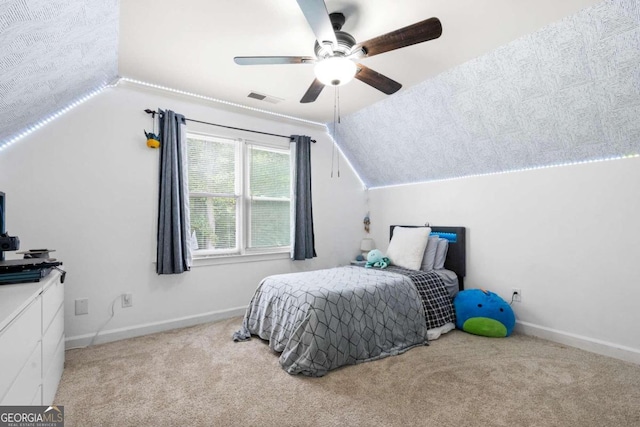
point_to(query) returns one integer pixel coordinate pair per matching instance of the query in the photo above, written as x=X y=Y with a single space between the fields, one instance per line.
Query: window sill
x=204 y=261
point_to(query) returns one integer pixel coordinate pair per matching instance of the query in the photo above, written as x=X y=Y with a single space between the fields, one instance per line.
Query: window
x=240 y=195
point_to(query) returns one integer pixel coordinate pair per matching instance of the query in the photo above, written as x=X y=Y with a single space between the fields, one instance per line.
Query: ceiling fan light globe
x=335 y=71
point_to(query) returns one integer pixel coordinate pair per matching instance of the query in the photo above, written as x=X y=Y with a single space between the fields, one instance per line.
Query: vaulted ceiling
x=51 y=53
x=508 y=84
x=569 y=92
x=191 y=47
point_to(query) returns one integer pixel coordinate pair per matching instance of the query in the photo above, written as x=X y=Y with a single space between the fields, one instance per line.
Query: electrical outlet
x=127 y=300
x=516 y=295
x=82 y=306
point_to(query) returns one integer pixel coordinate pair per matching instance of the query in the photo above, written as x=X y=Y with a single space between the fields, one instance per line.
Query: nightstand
x=359 y=263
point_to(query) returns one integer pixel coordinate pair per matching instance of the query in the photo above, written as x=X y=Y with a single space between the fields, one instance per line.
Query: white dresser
x=31 y=341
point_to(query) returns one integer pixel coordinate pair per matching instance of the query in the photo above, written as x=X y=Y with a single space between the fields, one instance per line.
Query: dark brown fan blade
x=313 y=92
x=377 y=80
x=273 y=60
x=315 y=11
x=423 y=31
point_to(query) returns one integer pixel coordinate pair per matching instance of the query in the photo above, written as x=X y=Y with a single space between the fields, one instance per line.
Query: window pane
x=270 y=189
x=213 y=219
x=212 y=166
x=270 y=175
x=270 y=224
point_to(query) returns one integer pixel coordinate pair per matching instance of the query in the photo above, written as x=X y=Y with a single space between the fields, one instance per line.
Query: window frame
x=243 y=197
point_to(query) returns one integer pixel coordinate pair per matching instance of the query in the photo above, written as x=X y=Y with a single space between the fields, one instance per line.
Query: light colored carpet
x=199 y=377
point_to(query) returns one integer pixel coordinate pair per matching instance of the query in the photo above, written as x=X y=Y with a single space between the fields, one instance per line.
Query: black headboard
x=456 y=260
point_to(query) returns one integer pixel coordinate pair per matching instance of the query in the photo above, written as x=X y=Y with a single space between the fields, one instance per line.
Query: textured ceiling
x=52 y=53
x=568 y=92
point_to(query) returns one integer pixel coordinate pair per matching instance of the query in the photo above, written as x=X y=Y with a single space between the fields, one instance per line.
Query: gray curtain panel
x=174 y=230
x=303 y=239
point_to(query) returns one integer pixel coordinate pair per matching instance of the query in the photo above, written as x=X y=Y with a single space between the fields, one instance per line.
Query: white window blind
x=269 y=197
x=240 y=196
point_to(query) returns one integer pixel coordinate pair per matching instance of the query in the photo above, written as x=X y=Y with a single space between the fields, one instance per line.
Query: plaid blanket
x=437 y=304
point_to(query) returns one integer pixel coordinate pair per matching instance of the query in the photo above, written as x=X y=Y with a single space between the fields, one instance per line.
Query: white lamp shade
x=335 y=71
x=367 y=245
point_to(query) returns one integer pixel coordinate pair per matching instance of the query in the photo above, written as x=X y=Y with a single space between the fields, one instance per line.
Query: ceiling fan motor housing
x=345 y=43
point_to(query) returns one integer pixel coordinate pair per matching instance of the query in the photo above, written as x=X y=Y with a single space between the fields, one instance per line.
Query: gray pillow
x=441 y=254
x=429 y=258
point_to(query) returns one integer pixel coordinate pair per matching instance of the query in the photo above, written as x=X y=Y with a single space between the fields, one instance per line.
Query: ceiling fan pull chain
x=338 y=107
x=333 y=146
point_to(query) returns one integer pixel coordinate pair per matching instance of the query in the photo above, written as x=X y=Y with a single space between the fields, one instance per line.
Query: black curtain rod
x=153 y=114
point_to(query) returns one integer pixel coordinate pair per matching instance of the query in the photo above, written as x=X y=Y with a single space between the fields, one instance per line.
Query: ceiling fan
x=336 y=51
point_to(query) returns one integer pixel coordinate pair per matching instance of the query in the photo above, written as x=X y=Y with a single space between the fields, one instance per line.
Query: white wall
x=567 y=236
x=86 y=185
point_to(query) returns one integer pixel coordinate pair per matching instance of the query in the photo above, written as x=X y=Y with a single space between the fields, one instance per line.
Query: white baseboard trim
x=151 y=328
x=605 y=348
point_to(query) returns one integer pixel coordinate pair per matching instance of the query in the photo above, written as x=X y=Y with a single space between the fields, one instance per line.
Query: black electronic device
x=31 y=269
x=2 y=197
x=7 y=243
x=27 y=270
x=1 y=212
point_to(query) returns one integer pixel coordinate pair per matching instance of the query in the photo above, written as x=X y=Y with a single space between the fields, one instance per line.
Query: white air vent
x=267 y=98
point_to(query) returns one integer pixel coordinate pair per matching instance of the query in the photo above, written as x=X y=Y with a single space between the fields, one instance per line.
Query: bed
x=324 y=319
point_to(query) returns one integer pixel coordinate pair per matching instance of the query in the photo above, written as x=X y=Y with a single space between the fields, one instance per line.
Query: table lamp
x=366 y=245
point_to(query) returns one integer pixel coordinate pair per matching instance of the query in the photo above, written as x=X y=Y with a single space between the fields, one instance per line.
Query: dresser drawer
x=52 y=299
x=17 y=343
x=28 y=381
x=52 y=378
x=51 y=339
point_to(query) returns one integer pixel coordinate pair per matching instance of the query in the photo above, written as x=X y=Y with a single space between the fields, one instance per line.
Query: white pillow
x=407 y=246
x=441 y=254
x=429 y=257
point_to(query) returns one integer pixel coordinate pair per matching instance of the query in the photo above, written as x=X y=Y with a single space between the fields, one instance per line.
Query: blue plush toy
x=376 y=259
x=481 y=312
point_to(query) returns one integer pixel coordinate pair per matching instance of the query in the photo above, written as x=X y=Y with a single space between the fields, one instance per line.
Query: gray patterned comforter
x=321 y=320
